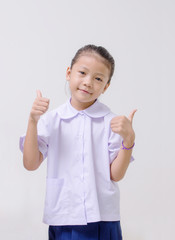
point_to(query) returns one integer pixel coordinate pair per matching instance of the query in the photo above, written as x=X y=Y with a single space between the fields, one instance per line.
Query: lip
x=82 y=90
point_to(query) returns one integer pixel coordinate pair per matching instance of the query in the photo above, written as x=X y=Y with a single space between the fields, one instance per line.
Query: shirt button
x=81 y=113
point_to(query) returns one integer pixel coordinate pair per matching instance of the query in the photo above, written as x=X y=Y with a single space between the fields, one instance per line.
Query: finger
x=131 y=115
x=115 y=119
x=119 y=121
x=40 y=108
x=46 y=100
x=37 y=112
x=42 y=100
x=39 y=93
x=41 y=103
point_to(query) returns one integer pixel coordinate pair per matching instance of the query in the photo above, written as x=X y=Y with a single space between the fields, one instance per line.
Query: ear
x=105 y=88
x=68 y=72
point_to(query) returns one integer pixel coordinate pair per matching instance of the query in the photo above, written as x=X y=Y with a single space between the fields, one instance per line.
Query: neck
x=81 y=106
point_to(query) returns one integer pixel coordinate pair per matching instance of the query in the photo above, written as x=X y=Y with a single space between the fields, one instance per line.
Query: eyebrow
x=88 y=70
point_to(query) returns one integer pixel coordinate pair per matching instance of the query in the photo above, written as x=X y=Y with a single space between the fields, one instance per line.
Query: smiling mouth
x=82 y=90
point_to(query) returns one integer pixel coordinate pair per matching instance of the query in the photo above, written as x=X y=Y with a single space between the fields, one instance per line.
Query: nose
x=88 y=81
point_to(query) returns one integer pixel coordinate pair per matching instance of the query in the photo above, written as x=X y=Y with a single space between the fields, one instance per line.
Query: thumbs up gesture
x=123 y=126
x=39 y=107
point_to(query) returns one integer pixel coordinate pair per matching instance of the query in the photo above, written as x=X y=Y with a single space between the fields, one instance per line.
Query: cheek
x=71 y=85
x=73 y=81
x=98 y=89
x=101 y=87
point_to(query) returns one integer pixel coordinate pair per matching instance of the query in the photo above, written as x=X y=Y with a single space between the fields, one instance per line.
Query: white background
x=38 y=39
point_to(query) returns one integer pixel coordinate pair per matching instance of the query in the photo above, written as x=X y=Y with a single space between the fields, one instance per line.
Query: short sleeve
x=114 y=141
x=43 y=136
x=114 y=145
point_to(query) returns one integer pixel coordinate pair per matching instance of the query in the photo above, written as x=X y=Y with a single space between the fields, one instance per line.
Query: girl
x=88 y=150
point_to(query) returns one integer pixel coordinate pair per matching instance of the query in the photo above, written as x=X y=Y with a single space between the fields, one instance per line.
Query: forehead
x=94 y=62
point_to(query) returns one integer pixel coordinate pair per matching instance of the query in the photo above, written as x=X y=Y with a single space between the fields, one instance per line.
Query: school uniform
x=81 y=199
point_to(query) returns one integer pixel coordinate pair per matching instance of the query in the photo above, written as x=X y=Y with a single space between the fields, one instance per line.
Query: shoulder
x=107 y=120
x=110 y=116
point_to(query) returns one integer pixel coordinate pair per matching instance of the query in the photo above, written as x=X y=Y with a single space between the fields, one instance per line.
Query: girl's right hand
x=40 y=106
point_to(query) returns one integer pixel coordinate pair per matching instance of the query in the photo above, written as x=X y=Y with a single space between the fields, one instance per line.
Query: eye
x=99 y=79
x=81 y=72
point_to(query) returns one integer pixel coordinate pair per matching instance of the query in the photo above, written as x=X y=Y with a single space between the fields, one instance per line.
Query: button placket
x=81 y=125
x=83 y=165
x=81 y=143
x=79 y=136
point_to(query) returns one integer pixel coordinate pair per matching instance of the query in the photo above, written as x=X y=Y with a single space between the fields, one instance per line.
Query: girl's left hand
x=123 y=126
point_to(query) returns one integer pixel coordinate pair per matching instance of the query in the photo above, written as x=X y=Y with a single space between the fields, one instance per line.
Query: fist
x=39 y=107
x=123 y=126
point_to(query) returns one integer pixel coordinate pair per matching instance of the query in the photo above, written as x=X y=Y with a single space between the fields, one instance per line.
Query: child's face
x=87 y=80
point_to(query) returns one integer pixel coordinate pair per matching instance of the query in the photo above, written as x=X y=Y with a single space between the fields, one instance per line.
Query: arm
x=32 y=157
x=122 y=126
x=120 y=164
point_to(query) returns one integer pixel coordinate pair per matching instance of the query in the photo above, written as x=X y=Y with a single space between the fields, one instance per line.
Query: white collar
x=96 y=110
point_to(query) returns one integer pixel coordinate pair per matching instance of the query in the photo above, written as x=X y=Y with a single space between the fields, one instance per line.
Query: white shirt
x=79 y=146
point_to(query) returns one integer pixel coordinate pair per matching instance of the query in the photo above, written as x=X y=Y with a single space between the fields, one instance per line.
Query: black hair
x=98 y=50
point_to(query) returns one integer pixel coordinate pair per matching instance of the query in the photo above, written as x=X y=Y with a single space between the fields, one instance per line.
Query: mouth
x=85 y=91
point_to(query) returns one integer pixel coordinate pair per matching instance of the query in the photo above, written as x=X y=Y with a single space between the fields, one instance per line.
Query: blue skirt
x=102 y=230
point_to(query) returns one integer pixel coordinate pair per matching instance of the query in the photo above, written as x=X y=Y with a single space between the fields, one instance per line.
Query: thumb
x=38 y=93
x=131 y=115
